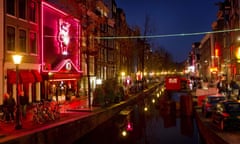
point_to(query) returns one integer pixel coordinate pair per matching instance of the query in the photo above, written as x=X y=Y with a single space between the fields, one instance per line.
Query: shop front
x=61 y=86
x=29 y=83
x=61 y=51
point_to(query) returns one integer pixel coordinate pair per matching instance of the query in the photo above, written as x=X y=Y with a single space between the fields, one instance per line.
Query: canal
x=145 y=123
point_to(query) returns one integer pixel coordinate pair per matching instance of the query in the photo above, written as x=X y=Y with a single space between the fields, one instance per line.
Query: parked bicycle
x=45 y=111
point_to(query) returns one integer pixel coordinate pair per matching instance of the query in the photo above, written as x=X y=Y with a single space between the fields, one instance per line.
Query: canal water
x=145 y=123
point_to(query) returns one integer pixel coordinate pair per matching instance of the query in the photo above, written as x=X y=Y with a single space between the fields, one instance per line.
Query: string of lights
x=169 y=35
x=161 y=36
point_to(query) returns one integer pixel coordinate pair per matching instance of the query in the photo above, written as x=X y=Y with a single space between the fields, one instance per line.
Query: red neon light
x=216 y=52
x=60 y=36
x=63 y=36
x=66 y=63
x=70 y=79
x=129 y=127
x=217 y=48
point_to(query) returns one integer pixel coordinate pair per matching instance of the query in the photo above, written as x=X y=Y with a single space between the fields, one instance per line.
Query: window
x=10 y=6
x=32 y=11
x=33 y=43
x=22 y=40
x=10 y=38
x=22 y=9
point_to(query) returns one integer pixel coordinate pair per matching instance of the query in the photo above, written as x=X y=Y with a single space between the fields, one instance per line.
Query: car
x=209 y=103
x=227 y=114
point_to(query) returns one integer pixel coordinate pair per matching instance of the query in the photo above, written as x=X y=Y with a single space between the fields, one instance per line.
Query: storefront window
x=61 y=90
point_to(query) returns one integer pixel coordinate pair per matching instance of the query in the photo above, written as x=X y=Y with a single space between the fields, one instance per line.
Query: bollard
x=186 y=106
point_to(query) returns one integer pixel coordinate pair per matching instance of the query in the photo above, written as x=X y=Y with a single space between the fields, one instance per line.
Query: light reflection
x=153 y=100
x=125 y=123
x=129 y=126
x=124 y=133
x=145 y=108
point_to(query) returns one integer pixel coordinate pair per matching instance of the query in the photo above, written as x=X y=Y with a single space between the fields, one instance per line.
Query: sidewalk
x=7 y=129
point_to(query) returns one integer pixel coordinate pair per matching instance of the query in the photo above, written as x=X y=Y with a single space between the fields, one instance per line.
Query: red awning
x=37 y=75
x=11 y=76
x=26 y=76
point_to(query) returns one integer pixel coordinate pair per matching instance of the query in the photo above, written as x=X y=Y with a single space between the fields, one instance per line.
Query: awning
x=25 y=76
x=37 y=75
x=11 y=76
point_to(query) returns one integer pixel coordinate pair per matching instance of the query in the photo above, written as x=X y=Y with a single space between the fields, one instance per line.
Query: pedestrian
x=23 y=103
x=222 y=87
x=11 y=106
x=5 y=116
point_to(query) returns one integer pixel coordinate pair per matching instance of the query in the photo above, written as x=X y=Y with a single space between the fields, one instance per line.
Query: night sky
x=170 y=17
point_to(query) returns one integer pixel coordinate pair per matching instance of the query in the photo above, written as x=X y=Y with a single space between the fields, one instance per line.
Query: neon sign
x=68 y=66
x=63 y=36
x=60 y=40
x=172 y=80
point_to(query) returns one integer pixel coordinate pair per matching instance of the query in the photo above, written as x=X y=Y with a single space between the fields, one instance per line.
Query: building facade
x=20 y=33
x=219 y=51
x=228 y=43
x=209 y=59
x=65 y=47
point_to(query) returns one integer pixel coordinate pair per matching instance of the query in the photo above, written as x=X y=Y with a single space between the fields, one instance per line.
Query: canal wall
x=70 y=130
x=206 y=133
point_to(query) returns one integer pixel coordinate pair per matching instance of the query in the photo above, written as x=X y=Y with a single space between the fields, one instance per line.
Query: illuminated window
x=33 y=43
x=22 y=9
x=10 y=4
x=22 y=40
x=32 y=11
x=10 y=38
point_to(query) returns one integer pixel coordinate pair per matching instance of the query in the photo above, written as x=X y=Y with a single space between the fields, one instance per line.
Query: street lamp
x=17 y=60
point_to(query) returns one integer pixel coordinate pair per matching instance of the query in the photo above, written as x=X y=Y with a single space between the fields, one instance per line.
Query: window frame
x=10 y=4
x=12 y=38
x=32 y=13
x=22 y=9
x=20 y=42
x=30 y=44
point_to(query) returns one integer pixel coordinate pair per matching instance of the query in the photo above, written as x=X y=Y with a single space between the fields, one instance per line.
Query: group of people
x=9 y=106
x=228 y=88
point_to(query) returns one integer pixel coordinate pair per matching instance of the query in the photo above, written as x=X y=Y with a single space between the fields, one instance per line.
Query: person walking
x=11 y=106
x=5 y=116
x=222 y=87
x=23 y=103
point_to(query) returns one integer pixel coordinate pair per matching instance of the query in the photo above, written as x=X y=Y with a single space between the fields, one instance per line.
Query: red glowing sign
x=63 y=36
x=129 y=126
x=172 y=83
x=217 y=48
x=60 y=39
x=216 y=52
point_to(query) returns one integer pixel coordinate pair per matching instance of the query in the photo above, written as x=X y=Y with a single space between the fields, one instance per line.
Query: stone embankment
x=73 y=126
